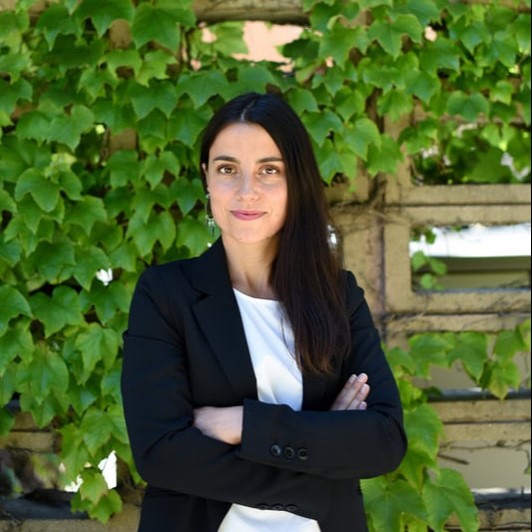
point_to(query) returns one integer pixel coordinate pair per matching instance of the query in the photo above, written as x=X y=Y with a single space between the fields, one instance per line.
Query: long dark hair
x=306 y=273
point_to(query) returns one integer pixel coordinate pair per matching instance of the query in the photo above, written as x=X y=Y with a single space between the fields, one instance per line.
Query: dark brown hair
x=306 y=273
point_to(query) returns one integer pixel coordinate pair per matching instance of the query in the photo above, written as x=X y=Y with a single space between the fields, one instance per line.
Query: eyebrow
x=272 y=159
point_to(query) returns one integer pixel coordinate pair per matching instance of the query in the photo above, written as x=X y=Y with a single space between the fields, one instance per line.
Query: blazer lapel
x=313 y=392
x=219 y=318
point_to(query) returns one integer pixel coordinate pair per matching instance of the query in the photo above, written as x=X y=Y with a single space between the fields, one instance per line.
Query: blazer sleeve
x=336 y=444
x=169 y=452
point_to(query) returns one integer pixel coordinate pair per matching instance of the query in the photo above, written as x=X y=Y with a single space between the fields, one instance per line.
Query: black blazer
x=185 y=347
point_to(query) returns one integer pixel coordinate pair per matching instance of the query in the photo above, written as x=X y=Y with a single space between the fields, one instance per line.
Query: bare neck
x=250 y=266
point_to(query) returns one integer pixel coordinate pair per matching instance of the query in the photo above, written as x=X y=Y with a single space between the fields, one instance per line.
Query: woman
x=245 y=369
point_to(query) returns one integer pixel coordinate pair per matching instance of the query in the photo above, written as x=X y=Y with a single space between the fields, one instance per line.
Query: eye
x=226 y=169
x=270 y=170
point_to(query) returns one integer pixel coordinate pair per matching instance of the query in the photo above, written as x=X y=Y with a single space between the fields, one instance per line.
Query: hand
x=353 y=395
x=223 y=424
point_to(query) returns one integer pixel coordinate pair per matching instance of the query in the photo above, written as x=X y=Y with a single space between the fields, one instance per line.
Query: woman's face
x=246 y=181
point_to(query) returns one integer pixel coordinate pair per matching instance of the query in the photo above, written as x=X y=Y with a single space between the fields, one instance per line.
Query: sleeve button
x=276 y=450
x=289 y=452
x=291 y=508
x=302 y=454
x=278 y=507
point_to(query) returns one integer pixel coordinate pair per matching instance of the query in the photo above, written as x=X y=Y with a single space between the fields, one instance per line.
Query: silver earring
x=211 y=225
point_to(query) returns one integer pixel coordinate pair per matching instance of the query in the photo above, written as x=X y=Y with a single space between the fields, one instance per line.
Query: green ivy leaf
x=7 y=420
x=202 y=85
x=110 y=386
x=422 y=84
x=155 y=66
x=159 y=228
x=521 y=29
x=86 y=213
x=502 y=48
x=96 y=344
x=104 y=12
x=115 y=116
x=349 y=102
x=12 y=305
x=56 y=20
x=74 y=453
x=53 y=259
x=188 y=193
x=159 y=95
x=13 y=93
x=125 y=257
x=123 y=167
x=14 y=64
x=471 y=350
x=67 y=129
x=504 y=375
x=382 y=76
x=43 y=190
x=107 y=300
x=186 y=124
x=389 y=34
x=448 y=494
x=302 y=100
x=426 y=11
x=340 y=40
x=109 y=504
x=468 y=106
x=394 y=104
x=502 y=92
x=194 y=235
x=384 y=158
x=97 y=428
x=442 y=54
x=252 y=78
x=123 y=58
x=320 y=125
x=6 y=202
x=88 y=261
x=155 y=166
x=229 y=38
x=81 y=397
x=154 y=23
x=56 y=312
x=44 y=372
x=17 y=155
x=328 y=160
x=424 y=429
x=93 y=486
x=428 y=350
x=387 y=501
x=16 y=341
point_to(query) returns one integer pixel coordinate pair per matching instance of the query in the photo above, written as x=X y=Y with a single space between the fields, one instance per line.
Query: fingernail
x=352 y=379
x=362 y=377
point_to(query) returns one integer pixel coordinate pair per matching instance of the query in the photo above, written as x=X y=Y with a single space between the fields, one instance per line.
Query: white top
x=271 y=346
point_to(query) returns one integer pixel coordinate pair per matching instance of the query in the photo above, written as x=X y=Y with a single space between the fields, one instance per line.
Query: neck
x=250 y=266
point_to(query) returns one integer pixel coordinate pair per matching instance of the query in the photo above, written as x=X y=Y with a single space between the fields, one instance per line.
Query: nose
x=247 y=188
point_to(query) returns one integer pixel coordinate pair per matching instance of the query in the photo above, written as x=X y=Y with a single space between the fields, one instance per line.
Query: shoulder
x=351 y=285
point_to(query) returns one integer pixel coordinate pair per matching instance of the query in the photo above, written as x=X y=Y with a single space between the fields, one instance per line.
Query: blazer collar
x=219 y=317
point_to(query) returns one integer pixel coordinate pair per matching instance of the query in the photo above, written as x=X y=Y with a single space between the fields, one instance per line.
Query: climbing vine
x=101 y=107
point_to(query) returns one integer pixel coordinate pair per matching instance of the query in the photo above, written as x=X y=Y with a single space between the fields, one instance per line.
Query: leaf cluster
x=421 y=494
x=101 y=107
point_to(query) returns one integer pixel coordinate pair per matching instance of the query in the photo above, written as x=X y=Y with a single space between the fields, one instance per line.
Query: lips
x=247 y=215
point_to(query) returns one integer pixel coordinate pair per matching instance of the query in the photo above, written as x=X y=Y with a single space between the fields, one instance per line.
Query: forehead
x=243 y=139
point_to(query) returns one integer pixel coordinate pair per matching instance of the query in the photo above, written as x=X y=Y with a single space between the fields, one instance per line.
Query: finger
x=359 y=401
x=349 y=392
